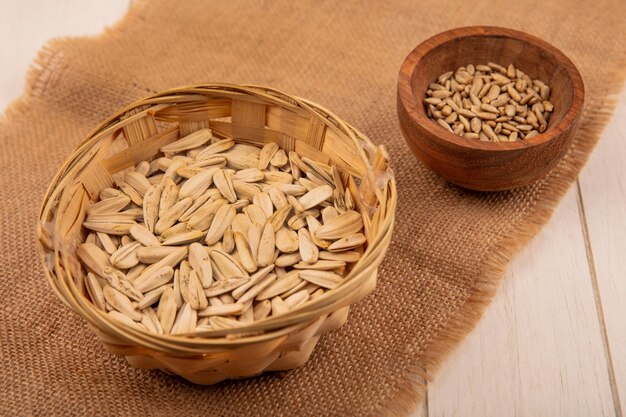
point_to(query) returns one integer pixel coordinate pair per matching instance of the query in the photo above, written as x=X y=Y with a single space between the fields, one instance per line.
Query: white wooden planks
x=603 y=191
x=538 y=349
x=26 y=25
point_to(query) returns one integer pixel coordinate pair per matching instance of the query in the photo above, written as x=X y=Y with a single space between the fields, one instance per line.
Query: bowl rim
x=411 y=103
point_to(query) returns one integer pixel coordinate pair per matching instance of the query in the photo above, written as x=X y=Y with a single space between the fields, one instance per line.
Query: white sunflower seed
x=143 y=235
x=267 y=244
x=348 y=242
x=324 y=279
x=234 y=309
x=267 y=153
x=120 y=302
x=223 y=218
x=279 y=306
x=308 y=251
x=193 y=140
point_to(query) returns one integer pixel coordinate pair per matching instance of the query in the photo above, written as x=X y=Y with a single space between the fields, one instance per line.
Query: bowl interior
x=533 y=60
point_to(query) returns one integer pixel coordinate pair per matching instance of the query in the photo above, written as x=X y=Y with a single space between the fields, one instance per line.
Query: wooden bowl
x=488 y=166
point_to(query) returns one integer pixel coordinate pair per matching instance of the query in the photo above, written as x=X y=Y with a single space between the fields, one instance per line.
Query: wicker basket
x=250 y=114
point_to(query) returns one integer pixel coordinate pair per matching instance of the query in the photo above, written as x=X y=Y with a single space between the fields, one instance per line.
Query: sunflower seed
x=135 y=197
x=93 y=257
x=313 y=226
x=151 y=321
x=253 y=291
x=171 y=216
x=348 y=256
x=254 y=279
x=138 y=181
x=348 y=242
x=287 y=240
x=244 y=252
x=95 y=291
x=324 y=279
x=278 y=198
x=192 y=291
x=198 y=184
x=297 y=299
x=184 y=238
x=120 y=302
x=126 y=256
x=169 y=195
x=185 y=320
x=111 y=228
x=218 y=322
x=201 y=263
x=225 y=185
x=315 y=196
x=122 y=318
x=277 y=219
x=280 y=286
x=225 y=265
x=249 y=175
x=203 y=217
x=262 y=310
x=255 y=214
x=223 y=310
x=170 y=260
x=321 y=265
x=223 y=218
x=279 y=306
x=107 y=193
x=109 y=205
x=308 y=251
x=277 y=178
x=345 y=224
x=215 y=148
x=193 y=140
x=267 y=153
x=151 y=201
x=225 y=286
x=142 y=235
x=254 y=237
x=279 y=159
x=198 y=203
x=107 y=243
x=151 y=297
x=288 y=259
x=264 y=201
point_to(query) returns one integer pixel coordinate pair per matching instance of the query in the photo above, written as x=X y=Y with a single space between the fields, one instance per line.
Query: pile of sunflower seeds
x=215 y=234
x=489 y=103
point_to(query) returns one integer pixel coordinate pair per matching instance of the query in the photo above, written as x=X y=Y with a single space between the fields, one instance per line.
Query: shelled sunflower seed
x=213 y=234
x=489 y=103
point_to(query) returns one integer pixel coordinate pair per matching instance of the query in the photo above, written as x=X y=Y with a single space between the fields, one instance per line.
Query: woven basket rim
x=267 y=329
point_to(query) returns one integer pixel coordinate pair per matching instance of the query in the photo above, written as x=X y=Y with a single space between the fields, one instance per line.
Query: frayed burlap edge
x=413 y=386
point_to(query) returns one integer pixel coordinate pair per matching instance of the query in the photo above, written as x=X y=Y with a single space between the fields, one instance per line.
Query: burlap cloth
x=449 y=249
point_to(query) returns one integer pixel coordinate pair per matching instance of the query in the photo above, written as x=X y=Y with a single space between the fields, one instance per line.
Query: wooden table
x=552 y=343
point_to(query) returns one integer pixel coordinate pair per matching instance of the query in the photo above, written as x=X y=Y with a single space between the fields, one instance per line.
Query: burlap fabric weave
x=449 y=249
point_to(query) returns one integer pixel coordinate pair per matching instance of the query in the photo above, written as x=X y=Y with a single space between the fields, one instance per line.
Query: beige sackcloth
x=450 y=246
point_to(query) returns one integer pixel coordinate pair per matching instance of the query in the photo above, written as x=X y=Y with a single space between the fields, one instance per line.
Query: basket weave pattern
x=252 y=115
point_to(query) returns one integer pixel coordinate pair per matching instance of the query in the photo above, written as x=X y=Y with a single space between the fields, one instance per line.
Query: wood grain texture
x=603 y=204
x=481 y=165
x=538 y=349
